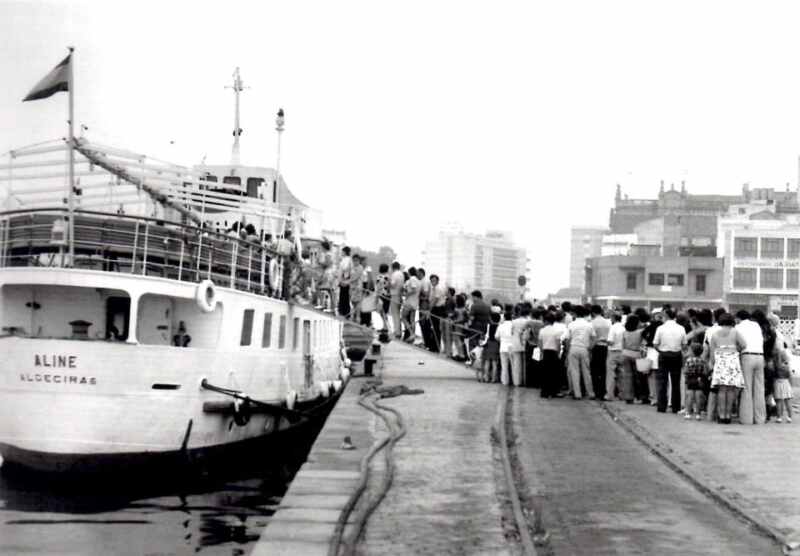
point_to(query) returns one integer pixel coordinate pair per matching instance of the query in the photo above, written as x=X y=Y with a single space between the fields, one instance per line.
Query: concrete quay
x=443 y=499
x=752 y=469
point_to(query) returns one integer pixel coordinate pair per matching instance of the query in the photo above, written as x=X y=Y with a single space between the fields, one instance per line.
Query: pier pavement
x=443 y=499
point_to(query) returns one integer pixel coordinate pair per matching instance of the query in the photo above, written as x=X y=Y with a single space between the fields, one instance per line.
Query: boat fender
x=273 y=273
x=345 y=372
x=337 y=385
x=348 y=362
x=291 y=398
x=206 y=296
x=241 y=412
x=324 y=388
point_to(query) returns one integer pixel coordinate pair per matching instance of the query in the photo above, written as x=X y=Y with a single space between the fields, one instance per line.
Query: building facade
x=585 y=242
x=651 y=281
x=761 y=248
x=490 y=263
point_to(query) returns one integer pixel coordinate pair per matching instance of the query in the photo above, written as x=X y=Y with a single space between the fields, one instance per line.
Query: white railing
x=137 y=245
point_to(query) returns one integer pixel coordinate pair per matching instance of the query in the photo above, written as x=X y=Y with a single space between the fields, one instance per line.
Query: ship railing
x=139 y=246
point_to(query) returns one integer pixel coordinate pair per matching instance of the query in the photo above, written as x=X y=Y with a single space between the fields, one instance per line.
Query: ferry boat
x=137 y=330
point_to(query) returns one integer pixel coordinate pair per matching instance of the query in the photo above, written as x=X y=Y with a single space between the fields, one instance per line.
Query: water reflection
x=220 y=513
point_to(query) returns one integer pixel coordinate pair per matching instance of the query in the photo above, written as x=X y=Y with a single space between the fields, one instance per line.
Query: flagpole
x=71 y=207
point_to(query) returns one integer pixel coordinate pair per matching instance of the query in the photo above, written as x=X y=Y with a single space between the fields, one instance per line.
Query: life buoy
x=273 y=273
x=241 y=412
x=206 y=296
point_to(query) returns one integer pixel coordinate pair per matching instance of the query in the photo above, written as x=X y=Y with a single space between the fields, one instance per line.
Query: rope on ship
x=244 y=406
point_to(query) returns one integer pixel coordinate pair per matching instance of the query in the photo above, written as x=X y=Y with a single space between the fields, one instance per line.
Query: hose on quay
x=367 y=400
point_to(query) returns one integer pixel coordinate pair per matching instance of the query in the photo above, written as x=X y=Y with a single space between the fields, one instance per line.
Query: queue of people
x=697 y=362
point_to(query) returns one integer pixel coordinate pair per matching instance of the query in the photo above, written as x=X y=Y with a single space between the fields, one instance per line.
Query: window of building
x=793 y=249
x=771 y=247
x=282 y=332
x=674 y=279
x=792 y=275
x=744 y=278
x=295 y=332
x=266 y=335
x=655 y=279
x=772 y=278
x=700 y=283
x=631 y=281
x=745 y=247
x=247 y=327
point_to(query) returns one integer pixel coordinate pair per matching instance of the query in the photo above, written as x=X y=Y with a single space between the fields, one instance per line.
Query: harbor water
x=222 y=513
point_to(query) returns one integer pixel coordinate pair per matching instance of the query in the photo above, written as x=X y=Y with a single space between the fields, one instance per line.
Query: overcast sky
x=402 y=116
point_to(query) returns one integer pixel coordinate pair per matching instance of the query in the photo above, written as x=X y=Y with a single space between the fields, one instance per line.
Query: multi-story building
x=654 y=280
x=585 y=242
x=490 y=262
x=761 y=248
x=687 y=224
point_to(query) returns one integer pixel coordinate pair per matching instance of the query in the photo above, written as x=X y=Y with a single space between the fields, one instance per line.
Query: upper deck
x=136 y=245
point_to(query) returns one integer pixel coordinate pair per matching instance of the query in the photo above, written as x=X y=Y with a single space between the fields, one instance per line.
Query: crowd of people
x=698 y=362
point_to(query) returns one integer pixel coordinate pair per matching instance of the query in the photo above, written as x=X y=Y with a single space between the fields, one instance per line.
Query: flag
x=55 y=81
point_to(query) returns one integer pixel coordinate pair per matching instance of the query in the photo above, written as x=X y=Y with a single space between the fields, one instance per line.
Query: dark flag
x=55 y=81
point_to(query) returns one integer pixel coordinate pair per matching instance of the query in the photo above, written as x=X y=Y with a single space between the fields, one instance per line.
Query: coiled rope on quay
x=370 y=393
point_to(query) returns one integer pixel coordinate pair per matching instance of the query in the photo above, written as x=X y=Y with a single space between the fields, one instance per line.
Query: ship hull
x=91 y=405
x=254 y=453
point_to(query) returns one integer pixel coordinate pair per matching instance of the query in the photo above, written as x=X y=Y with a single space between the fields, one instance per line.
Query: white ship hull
x=89 y=405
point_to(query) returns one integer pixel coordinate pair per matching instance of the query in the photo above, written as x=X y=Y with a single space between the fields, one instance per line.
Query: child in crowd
x=695 y=372
x=491 y=351
x=782 y=391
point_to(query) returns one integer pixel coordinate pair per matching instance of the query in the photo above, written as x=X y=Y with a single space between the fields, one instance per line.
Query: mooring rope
x=396 y=431
x=273 y=407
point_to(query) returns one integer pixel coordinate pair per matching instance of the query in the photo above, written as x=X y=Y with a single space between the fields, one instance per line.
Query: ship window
x=247 y=327
x=295 y=332
x=282 y=333
x=252 y=186
x=211 y=177
x=232 y=180
x=266 y=334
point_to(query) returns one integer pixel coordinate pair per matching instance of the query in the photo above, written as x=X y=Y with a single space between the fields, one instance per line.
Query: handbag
x=644 y=365
x=537 y=354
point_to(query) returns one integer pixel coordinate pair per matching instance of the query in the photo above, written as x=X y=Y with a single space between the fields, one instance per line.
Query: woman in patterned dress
x=724 y=348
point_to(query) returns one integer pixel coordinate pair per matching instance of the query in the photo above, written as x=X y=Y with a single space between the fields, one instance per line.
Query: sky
x=402 y=116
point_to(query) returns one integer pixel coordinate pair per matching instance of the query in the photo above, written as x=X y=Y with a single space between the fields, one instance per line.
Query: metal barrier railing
x=446 y=332
x=138 y=245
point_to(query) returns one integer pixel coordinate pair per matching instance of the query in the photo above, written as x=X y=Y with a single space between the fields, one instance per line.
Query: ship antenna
x=237 y=87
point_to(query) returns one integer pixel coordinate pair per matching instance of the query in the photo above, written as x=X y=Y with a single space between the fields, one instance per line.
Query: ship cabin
x=147 y=282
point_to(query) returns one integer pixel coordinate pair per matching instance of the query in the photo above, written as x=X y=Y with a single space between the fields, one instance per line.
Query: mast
x=71 y=197
x=237 y=87
x=279 y=121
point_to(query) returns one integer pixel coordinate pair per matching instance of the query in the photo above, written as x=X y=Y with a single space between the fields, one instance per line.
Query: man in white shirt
x=411 y=305
x=614 y=360
x=580 y=337
x=396 y=282
x=669 y=340
x=752 y=404
x=438 y=310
